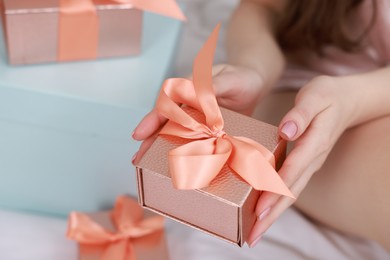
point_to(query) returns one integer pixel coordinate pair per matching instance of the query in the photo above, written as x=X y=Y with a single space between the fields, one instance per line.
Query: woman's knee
x=351 y=192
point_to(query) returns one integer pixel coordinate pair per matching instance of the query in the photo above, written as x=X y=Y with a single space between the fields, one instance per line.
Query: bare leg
x=351 y=192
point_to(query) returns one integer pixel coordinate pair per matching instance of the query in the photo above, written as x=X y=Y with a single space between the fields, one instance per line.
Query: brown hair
x=313 y=24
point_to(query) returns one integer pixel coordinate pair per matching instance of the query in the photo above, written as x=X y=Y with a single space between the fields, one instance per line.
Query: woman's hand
x=236 y=88
x=323 y=110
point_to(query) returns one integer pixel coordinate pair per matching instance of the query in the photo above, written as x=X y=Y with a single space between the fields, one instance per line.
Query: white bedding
x=32 y=237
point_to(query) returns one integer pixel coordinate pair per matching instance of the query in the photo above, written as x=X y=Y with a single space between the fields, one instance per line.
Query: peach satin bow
x=79 y=26
x=196 y=164
x=127 y=218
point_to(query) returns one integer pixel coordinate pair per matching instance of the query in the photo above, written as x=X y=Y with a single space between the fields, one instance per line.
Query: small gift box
x=67 y=30
x=121 y=234
x=208 y=165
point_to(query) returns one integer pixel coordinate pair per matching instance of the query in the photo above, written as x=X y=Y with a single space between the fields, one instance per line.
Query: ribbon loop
x=195 y=164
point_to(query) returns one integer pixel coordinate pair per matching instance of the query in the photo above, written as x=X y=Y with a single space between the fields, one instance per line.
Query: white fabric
x=32 y=237
x=292 y=237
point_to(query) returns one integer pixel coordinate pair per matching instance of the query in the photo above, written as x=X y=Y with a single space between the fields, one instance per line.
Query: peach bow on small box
x=122 y=234
x=196 y=164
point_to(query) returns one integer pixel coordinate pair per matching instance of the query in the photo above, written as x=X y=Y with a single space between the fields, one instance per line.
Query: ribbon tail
x=130 y=252
x=78 y=30
x=164 y=7
x=255 y=169
x=121 y=250
x=203 y=82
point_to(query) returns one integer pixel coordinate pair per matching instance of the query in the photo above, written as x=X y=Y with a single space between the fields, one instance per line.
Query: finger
x=289 y=173
x=297 y=176
x=267 y=219
x=223 y=80
x=217 y=69
x=148 y=125
x=143 y=148
x=230 y=104
x=227 y=85
x=306 y=151
x=267 y=200
x=308 y=105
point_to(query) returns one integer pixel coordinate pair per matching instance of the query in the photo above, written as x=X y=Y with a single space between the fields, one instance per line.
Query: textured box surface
x=226 y=207
x=65 y=128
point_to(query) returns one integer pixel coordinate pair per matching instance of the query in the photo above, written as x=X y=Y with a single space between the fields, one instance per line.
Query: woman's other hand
x=323 y=110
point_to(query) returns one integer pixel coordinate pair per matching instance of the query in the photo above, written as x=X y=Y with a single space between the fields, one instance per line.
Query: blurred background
x=65 y=142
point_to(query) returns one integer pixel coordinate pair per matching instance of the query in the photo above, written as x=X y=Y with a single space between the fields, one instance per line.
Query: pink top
x=304 y=65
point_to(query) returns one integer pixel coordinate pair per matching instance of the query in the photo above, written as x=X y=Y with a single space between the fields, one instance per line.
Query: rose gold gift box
x=224 y=209
x=31 y=28
x=150 y=247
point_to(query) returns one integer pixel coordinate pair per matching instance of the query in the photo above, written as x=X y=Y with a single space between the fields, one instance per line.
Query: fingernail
x=289 y=129
x=264 y=213
x=134 y=156
x=254 y=243
x=132 y=134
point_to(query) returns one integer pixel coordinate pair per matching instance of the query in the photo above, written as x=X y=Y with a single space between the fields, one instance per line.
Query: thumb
x=307 y=106
x=222 y=79
x=232 y=86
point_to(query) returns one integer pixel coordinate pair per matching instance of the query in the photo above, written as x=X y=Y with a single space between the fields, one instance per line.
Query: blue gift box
x=65 y=129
